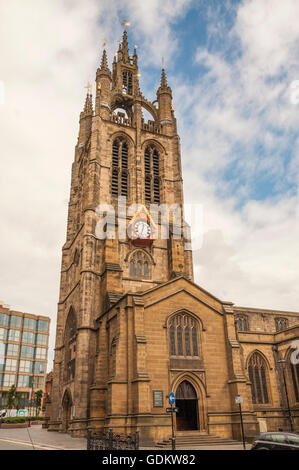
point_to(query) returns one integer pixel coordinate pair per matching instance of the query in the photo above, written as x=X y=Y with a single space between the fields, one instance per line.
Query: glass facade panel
x=8 y=380
x=27 y=351
x=38 y=382
x=12 y=350
x=43 y=325
x=3 y=333
x=15 y=321
x=11 y=365
x=2 y=355
x=14 y=335
x=26 y=366
x=41 y=339
x=4 y=319
x=39 y=367
x=24 y=380
x=29 y=324
x=28 y=337
x=40 y=353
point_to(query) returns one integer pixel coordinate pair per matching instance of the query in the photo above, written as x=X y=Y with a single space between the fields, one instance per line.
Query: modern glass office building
x=23 y=354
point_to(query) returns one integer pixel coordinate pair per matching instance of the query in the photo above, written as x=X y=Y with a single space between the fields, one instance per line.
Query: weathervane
x=162 y=62
x=89 y=88
x=104 y=43
x=126 y=23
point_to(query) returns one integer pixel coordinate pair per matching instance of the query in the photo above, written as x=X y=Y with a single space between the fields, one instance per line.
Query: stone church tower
x=131 y=325
x=117 y=154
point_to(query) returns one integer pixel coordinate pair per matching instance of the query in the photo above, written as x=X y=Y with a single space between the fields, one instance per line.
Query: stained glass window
x=257 y=371
x=183 y=334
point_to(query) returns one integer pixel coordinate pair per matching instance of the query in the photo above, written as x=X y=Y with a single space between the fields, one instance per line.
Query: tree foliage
x=38 y=400
x=11 y=397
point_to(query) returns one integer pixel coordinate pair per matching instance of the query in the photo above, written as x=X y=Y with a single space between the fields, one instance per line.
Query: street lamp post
x=239 y=401
x=283 y=363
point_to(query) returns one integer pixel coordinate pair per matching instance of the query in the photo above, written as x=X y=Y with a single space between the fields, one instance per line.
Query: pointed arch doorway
x=66 y=410
x=187 y=403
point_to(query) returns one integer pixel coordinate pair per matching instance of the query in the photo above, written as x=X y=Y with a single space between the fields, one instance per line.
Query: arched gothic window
x=119 y=180
x=294 y=372
x=183 y=336
x=257 y=371
x=139 y=265
x=241 y=322
x=152 y=175
x=281 y=324
x=70 y=333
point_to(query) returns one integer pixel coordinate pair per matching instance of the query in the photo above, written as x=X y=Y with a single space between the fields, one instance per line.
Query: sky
x=231 y=66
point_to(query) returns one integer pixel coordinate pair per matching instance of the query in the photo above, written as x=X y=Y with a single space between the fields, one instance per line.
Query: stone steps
x=190 y=439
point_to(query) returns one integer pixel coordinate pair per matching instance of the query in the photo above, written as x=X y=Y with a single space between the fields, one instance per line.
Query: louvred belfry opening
x=119 y=179
x=152 y=175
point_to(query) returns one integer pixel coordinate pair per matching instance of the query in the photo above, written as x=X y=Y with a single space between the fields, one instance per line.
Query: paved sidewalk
x=203 y=447
x=41 y=437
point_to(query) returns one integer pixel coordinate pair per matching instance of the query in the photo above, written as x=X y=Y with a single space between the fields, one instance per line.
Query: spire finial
x=88 y=101
x=163 y=88
x=125 y=47
x=89 y=88
x=126 y=23
x=163 y=78
x=104 y=62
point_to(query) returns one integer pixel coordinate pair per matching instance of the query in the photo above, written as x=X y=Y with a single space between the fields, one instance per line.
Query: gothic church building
x=132 y=325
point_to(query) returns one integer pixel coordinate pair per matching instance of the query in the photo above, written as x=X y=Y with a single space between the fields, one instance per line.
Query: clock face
x=142 y=229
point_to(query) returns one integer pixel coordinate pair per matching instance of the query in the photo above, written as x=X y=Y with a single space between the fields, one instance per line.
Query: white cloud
x=249 y=253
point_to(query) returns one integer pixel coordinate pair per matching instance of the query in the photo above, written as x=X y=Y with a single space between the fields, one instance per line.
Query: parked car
x=276 y=441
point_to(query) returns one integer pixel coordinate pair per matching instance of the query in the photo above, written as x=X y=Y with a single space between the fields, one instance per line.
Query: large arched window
x=140 y=265
x=152 y=175
x=119 y=179
x=70 y=334
x=257 y=371
x=183 y=336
